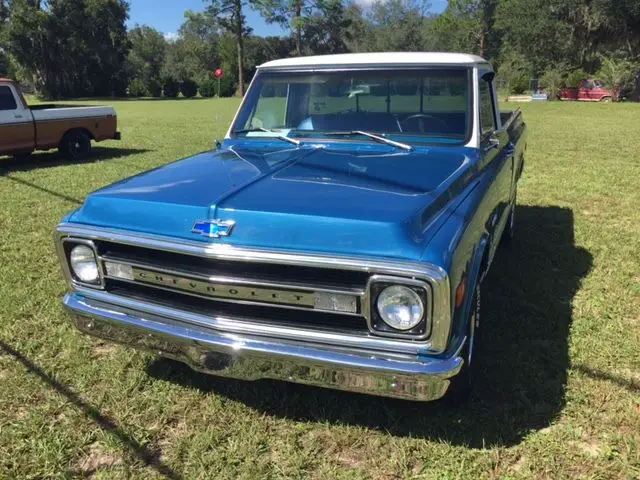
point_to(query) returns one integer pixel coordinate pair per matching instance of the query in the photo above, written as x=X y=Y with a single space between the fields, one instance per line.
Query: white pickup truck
x=24 y=129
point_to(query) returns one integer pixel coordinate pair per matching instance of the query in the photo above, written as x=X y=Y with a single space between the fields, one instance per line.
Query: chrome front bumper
x=251 y=357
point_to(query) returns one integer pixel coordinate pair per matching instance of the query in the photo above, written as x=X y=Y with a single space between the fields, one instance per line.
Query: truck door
x=17 y=132
x=588 y=91
x=498 y=157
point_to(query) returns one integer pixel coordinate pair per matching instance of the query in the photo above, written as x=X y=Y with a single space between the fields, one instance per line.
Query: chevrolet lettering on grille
x=225 y=291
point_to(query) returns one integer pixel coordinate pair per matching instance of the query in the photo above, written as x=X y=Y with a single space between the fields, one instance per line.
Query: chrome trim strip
x=256 y=326
x=357 y=293
x=436 y=276
x=252 y=358
x=62 y=119
x=240 y=302
x=368 y=305
x=16 y=124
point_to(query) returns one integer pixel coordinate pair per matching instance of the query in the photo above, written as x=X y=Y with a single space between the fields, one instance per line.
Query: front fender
x=463 y=246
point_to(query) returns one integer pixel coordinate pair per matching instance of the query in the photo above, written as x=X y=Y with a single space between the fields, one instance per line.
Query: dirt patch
x=588 y=448
x=350 y=458
x=22 y=413
x=519 y=465
x=632 y=375
x=98 y=459
x=344 y=450
x=101 y=349
x=168 y=437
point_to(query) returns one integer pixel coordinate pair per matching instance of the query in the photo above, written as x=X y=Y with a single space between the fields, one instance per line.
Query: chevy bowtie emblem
x=213 y=228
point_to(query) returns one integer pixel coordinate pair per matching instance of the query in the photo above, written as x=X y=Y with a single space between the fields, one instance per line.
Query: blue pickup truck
x=337 y=237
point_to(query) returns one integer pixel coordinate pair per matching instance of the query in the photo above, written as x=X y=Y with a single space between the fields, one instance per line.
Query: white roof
x=376 y=59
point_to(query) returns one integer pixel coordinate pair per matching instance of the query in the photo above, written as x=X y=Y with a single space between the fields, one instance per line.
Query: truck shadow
x=52 y=158
x=527 y=314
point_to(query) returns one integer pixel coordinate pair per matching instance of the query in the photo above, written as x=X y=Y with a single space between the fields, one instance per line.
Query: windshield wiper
x=277 y=135
x=372 y=136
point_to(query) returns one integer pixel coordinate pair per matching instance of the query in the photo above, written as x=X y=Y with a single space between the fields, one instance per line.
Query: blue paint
x=354 y=198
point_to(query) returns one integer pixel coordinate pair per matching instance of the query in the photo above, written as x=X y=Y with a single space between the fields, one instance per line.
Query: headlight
x=83 y=263
x=400 y=307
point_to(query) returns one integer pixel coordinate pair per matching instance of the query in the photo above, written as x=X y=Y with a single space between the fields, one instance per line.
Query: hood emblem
x=213 y=228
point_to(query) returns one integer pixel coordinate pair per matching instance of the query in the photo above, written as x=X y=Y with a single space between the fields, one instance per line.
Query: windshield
x=413 y=105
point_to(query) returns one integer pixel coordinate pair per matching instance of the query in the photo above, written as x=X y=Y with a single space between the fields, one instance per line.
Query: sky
x=167 y=15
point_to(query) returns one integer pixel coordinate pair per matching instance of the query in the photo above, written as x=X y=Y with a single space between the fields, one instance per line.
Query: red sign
x=218 y=73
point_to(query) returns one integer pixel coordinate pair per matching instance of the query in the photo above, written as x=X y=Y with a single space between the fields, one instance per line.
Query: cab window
x=487 y=117
x=7 y=101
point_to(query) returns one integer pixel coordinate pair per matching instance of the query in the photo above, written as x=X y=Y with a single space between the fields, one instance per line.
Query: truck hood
x=372 y=200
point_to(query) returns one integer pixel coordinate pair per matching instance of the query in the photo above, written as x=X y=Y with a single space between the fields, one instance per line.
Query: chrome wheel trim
x=75 y=147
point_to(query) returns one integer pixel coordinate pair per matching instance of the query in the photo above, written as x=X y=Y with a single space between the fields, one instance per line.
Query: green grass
x=559 y=395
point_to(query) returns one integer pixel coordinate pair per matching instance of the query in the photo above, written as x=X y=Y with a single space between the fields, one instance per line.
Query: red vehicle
x=588 y=91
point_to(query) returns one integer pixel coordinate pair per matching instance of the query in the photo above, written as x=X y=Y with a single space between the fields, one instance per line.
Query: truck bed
x=505 y=116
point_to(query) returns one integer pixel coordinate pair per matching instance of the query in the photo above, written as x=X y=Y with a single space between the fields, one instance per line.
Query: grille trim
x=358 y=294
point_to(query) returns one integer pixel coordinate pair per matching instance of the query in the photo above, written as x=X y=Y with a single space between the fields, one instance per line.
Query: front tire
x=462 y=384
x=75 y=145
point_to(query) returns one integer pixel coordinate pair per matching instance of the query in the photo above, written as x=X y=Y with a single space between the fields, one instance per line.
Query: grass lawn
x=559 y=396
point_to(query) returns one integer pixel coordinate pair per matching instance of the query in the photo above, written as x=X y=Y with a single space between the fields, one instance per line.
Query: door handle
x=18 y=116
x=491 y=144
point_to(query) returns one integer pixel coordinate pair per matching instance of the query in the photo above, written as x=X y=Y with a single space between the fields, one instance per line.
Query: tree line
x=75 y=48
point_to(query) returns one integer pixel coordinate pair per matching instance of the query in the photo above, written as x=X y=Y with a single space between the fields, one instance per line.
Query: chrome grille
x=268 y=293
x=272 y=267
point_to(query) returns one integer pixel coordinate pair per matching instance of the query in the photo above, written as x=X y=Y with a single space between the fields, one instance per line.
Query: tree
x=207 y=87
x=4 y=58
x=577 y=32
x=553 y=79
x=262 y=49
x=397 y=25
x=358 y=31
x=291 y=14
x=195 y=53
x=189 y=88
x=229 y=14
x=170 y=87
x=467 y=26
x=617 y=74
x=71 y=48
x=327 y=30
x=575 y=78
x=537 y=30
x=146 y=57
x=106 y=45
x=516 y=70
